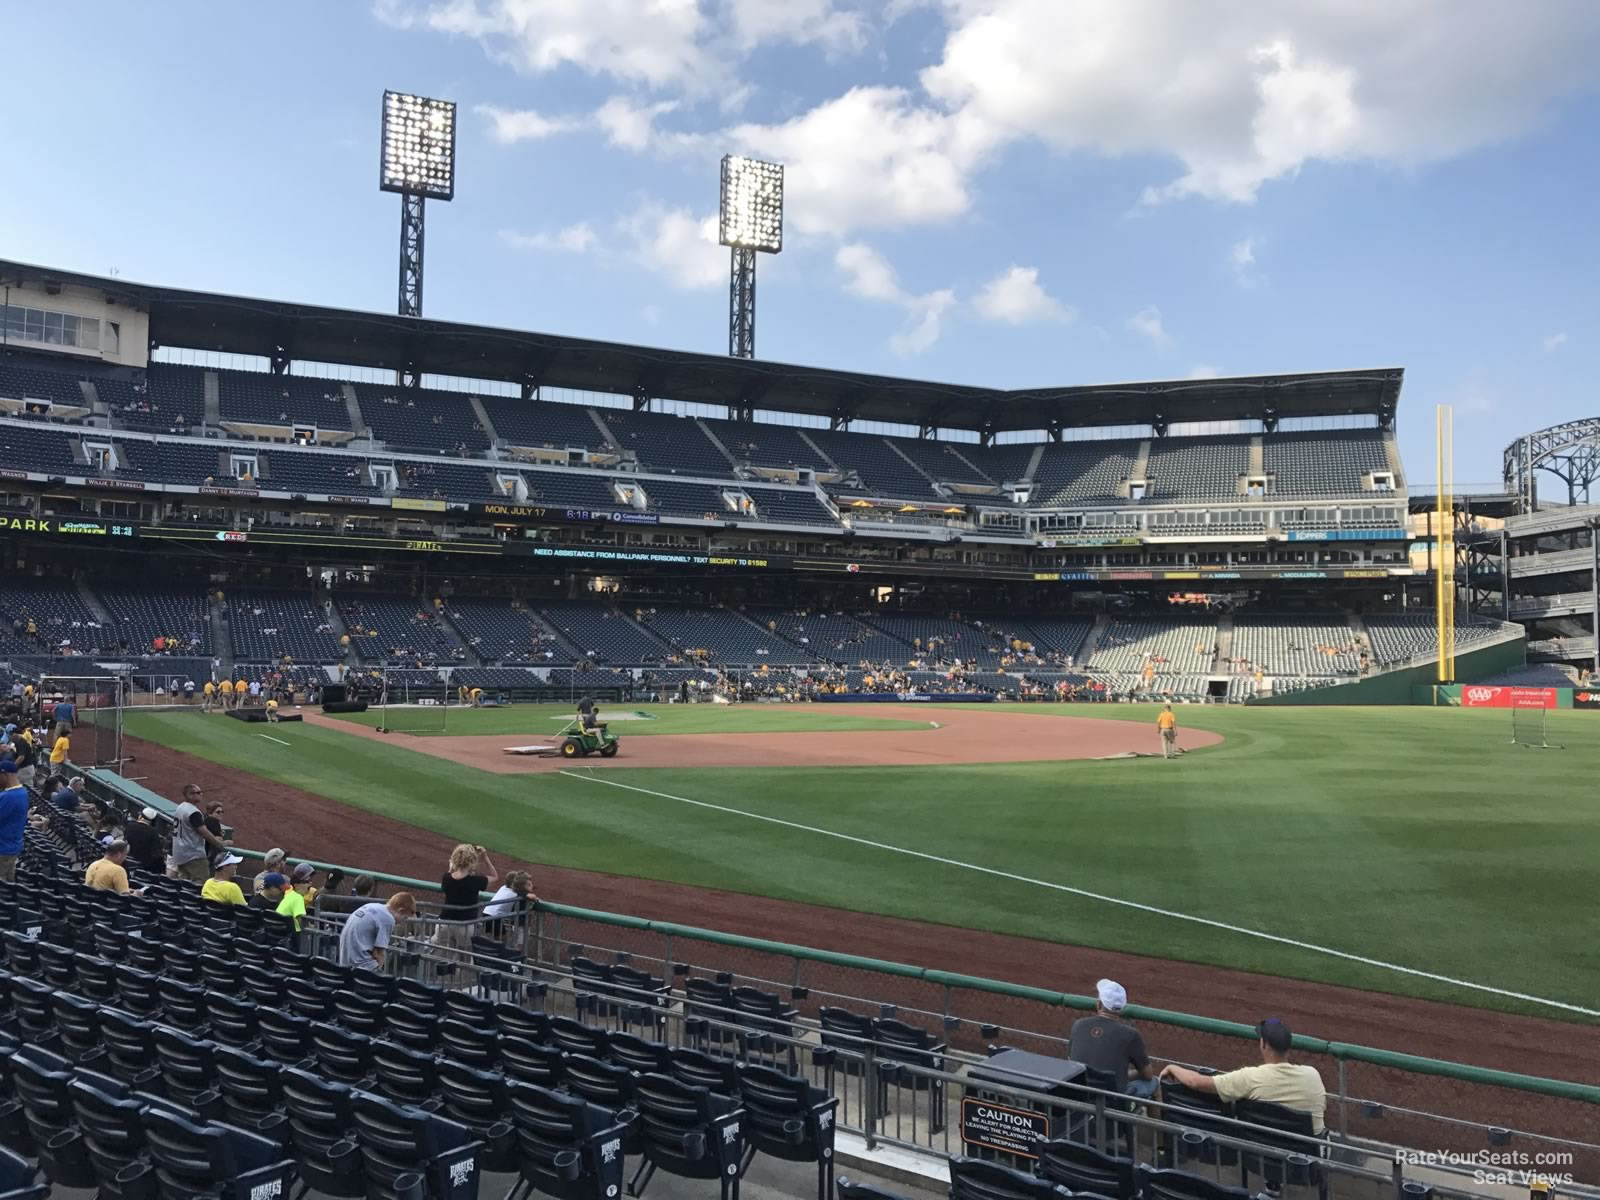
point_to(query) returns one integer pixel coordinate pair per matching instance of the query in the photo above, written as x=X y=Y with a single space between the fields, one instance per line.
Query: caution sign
x=999 y=1127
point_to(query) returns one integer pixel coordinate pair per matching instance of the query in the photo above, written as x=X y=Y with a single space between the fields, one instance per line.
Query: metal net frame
x=409 y=705
x=99 y=701
x=1527 y=729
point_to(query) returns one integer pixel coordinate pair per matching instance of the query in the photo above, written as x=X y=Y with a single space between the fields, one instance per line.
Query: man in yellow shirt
x=241 y=689
x=1167 y=723
x=225 y=693
x=220 y=887
x=108 y=872
x=59 y=751
x=292 y=905
x=1276 y=1080
x=210 y=694
x=272 y=712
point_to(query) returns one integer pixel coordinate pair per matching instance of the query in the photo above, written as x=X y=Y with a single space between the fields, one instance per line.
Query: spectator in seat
x=25 y=754
x=215 y=828
x=1107 y=1043
x=297 y=894
x=220 y=887
x=1276 y=1080
x=108 y=871
x=300 y=879
x=61 y=794
x=192 y=842
x=144 y=842
x=365 y=938
x=270 y=888
x=274 y=862
x=468 y=875
x=13 y=818
x=514 y=898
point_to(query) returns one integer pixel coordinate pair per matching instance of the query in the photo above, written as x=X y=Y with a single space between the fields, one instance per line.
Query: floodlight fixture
x=750 y=221
x=417 y=159
x=752 y=204
x=419 y=146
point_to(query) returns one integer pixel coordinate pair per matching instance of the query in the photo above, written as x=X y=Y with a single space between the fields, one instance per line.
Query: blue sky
x=1005 y=192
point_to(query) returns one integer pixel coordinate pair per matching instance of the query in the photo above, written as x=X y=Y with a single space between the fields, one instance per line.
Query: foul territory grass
x=533 y=720
x=1416 y=836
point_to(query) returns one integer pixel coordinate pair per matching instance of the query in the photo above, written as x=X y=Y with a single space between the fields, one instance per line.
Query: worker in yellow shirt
x=225 y=694
x=210 y=694
x=272 y=712
x=59 y=752
x=241 y=689
x=220 y=887
x=476 y=695
x=1167 y=723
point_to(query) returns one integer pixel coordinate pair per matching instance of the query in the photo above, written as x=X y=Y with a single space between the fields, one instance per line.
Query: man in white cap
x=221 y=888
x=1107 y=1044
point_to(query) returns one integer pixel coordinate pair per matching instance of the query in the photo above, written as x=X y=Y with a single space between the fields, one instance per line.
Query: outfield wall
x=1409 y=685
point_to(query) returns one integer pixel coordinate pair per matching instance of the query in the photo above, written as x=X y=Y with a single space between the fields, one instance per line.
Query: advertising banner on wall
x=1474 y=695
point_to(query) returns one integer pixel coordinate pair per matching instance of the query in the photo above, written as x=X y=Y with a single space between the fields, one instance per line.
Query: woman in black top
x=469 y=874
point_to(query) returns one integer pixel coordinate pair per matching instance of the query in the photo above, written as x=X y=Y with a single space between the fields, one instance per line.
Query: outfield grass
x=545 y=719
x=1415 y=836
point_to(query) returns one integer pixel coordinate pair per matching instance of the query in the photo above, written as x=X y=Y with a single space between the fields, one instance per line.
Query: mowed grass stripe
x=1418 y=836
x=542 y=720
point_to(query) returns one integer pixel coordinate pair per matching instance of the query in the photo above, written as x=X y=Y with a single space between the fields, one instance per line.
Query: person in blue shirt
x=65 y=712
x=13 y=819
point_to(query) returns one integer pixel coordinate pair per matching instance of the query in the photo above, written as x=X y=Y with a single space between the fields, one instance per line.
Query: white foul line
x=270 y=738
x=1117 y=900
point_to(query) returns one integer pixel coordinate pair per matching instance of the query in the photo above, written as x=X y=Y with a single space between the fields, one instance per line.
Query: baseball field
x=1408 y=851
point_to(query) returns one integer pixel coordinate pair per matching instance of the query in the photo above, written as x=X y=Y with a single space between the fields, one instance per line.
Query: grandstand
x=722 y=637
x=268 y=625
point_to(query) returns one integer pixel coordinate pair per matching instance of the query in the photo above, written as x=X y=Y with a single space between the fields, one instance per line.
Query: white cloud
x=1015 y=296
x=630 y=125
x=1242 y=262
x=872 y=278
x=678 y=245
x=926 y=323
x=1241 y=94
x=871 y=158
x=1203 y=371
x=1554 y=342
x=693 y=46
x=757 y=21
x=1237 y=95
x=524 y=125
x=574 y=239
x=1147 y=324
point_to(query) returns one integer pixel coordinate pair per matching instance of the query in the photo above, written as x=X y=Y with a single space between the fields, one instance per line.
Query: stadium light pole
x=750 y=222
x=417 y=161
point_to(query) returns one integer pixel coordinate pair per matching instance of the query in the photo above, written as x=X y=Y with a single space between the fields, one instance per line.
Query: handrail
x=1344 y=1051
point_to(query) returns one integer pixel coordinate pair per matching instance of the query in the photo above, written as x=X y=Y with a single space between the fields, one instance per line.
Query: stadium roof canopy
x=285 y=332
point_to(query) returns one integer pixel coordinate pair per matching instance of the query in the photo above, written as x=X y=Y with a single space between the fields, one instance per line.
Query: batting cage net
x=413 y=701
x=1527 y=729
x=94 y=722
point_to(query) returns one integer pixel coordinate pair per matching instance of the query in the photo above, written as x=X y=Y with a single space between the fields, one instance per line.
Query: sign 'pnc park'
x=67 y=526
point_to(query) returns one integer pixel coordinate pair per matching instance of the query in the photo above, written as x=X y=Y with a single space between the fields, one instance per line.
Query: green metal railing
x=1345 y=1051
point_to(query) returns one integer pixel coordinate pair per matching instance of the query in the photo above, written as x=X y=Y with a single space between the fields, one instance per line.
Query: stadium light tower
x=418 y=161
x=751 y=221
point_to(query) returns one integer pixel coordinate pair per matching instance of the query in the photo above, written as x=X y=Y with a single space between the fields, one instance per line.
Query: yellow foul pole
x=1444 y=524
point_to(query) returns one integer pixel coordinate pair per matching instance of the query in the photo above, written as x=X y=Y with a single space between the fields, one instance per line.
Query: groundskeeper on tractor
x=574 y=741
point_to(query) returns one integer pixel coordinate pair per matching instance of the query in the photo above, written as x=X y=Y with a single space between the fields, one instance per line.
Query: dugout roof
x=285 y=331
